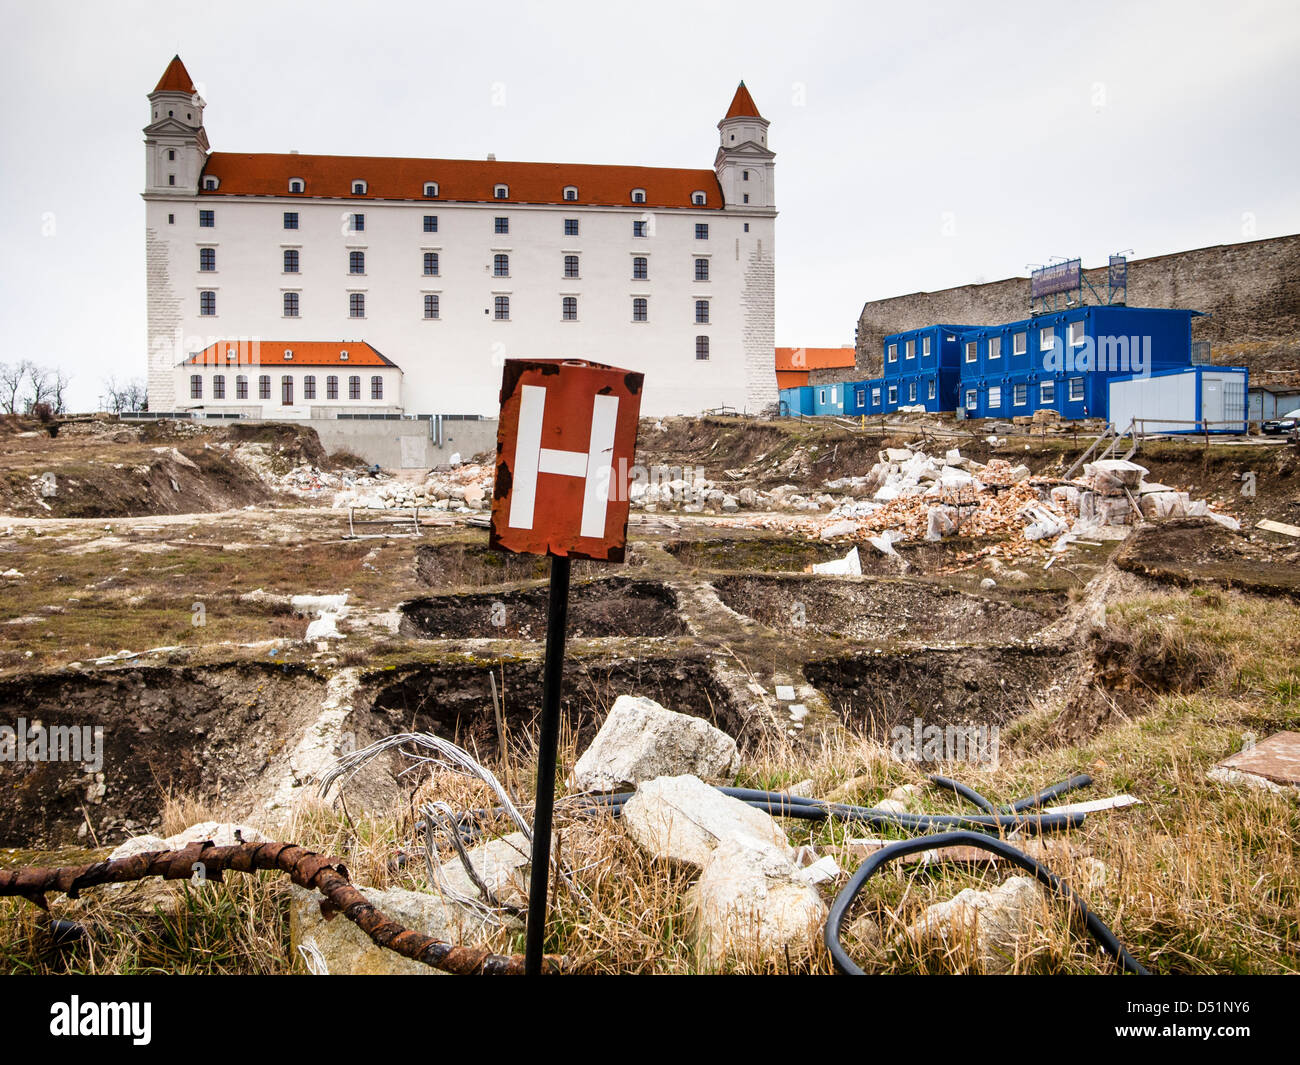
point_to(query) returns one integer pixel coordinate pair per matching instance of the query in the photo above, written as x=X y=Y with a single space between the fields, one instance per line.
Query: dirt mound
x=1196 y=551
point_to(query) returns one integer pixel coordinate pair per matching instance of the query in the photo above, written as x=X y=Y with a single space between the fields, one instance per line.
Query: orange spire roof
x=742 y=105
x=176 y=78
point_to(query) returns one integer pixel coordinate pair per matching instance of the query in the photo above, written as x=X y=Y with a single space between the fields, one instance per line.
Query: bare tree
x=40 y=386
x=60 y=380
x=127 y=396
x=12 y=375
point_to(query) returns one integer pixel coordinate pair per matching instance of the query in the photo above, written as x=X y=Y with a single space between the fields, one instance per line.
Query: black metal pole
x=548 y=742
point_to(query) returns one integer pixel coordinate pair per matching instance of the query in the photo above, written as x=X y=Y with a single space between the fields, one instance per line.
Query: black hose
x=967 y=793
x=844 y=900
x=1048 y=794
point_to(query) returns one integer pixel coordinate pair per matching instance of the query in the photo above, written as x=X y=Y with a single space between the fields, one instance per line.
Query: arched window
x=196 y=386
x=431 y=189
x=208 y=304
x=290 y=310
x=331 y=387
x=376 y=387
x=638 y=195
x=219 y=387
x=290 y=260
x=699 y=198
x=309 y=387
x=241 y=387
x=354 y=387
x=211 y=183
x=701 y=348
x=356 y=262
x=264 y=386
x=431 y=264
x=501 y=192
x=359 y=188
x=569 y=309
x=296 y=184
x=501 y=266
x=571 y=192
x=286 y=391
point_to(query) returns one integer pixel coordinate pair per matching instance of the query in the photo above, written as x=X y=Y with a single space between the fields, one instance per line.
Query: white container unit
x=1193 y=399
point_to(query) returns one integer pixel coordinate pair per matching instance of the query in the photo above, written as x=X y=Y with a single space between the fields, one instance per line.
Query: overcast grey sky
x=919 y=145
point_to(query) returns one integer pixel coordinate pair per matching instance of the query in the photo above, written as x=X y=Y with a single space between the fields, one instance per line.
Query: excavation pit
x=463 y=564
x=876 y=693
x=615 y=606
x=455 y=702
x=877 y=611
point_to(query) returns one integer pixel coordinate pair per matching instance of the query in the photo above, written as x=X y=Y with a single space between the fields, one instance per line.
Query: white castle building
x=425 y=274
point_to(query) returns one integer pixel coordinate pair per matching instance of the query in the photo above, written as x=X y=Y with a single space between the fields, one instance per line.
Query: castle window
x=264 y=387
x=431 y=264
x=356 y=262
x=701 y=230
x=431 y=305
x=290 y=219
x=570 y=192
x=501 y=266
x=290 y=311
x=639 y=227
x=569 y=308
x=431 y=223
x=570 y=227
x=358 y=223
x=219 y=387
x=640 y=309
x=354 y=388
x=309 y=387
x=702 y=348
x=501 y=308
x=356 y=304
x=501 y=224
x=501 y=192
x=211 y=183
x=701 y=269
x=744 y=175
x=702 y=312
x=241 y=387
x=571 y=266
x=208 y=304
x=699 y=199
x=171 y=219
x=171 y=155
x=431 y=188
x=745 y=198
x=171 y=179
x=331 y=387
x=376 y=387
x=290 y=260
x=359 y=188
x=296 y=184
x=286 y=391
x=207 y=219
x=196 y=386
x=640 y=268
x=638 y=195
x=207 y=259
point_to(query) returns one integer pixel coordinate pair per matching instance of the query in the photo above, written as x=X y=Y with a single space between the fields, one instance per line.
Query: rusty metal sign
x=565 y=443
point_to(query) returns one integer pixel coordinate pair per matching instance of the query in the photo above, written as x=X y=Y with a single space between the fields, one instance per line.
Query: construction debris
x=1272 y=764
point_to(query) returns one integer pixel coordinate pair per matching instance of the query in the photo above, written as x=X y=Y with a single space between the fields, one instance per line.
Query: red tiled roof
x=742 y=105
x=305 y=353
x=814 y=358
x=175 y=78
x=458 y=180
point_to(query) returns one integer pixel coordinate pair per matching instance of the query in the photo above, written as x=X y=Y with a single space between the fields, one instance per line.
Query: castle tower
x=744 y=165
x=176 y=145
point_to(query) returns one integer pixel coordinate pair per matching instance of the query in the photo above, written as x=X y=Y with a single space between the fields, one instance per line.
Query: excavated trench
x=455 y=702
x=874 y=693
x=881 y=611
x=615 y=606
x=212 y=732
x=461 y=564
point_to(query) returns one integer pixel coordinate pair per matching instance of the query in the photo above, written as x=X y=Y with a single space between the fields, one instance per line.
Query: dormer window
x=501 y=192
x=296 y=184
x=570 y=192
x=698 y=198
x=231 y=355
x=343 y=356
x=431 y=189
x=211 y=183
x=638 y=195
x=288 y=354
x=358 y=188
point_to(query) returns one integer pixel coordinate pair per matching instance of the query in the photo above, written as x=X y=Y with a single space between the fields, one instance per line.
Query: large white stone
x=503 y=865
x=348 y=951
x=683 y=819
x=641 y=740
x=1000 y=922
x=751 y=904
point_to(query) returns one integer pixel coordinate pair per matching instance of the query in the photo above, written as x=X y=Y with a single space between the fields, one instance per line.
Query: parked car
x=1288 y=423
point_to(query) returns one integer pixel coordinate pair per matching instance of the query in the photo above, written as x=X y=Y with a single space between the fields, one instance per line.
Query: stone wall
x=1251 y=290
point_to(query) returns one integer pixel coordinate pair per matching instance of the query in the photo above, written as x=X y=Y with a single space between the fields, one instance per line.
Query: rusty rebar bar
x=306 y=868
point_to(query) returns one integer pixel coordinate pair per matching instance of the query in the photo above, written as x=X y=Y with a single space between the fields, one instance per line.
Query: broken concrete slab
x=641 y=740
x=850 y=565
x=683 y=819
x=1271 y=764
x=751 y=904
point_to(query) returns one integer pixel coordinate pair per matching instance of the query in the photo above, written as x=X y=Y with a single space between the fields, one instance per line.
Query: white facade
x=451 y=363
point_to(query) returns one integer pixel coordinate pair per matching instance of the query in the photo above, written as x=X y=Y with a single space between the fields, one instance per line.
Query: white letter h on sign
x=594 y=466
